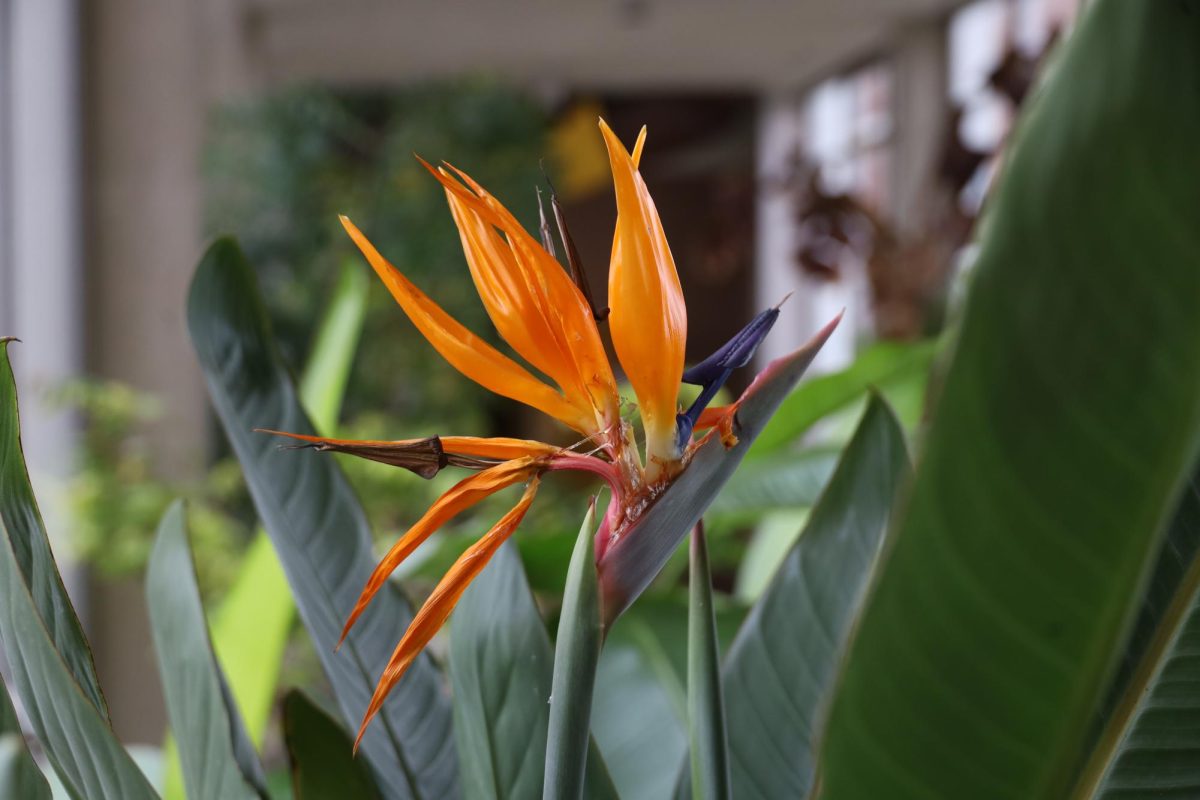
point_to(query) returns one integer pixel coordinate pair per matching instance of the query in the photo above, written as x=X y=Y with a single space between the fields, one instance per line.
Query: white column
x=41 y=234
x=920 y=105
x=147 y=98
x=781 y=124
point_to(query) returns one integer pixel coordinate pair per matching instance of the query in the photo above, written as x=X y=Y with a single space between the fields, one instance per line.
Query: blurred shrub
x=279 y=171
x=117 y=501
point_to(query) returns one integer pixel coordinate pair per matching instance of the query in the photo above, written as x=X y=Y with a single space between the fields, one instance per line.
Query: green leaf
x=31 y=546
x=1065 y=426
x=50 y=664
x=783 y=663
x=575 y=655
x=770 y=543
x=639 y=709
x=879 y=366
x=321 y=754
x=323 y=385
x=706 y=707
x=217 y=756
x=319 y=531
x=778 y=481
x=250 y=633
x=251 y=626
x=632 y=562
x=19 y=774
x=501 y=664
x=1148 y=747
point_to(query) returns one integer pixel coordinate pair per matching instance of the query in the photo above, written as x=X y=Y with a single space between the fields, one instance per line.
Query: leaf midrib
x=1149 y=668
x=359 y=662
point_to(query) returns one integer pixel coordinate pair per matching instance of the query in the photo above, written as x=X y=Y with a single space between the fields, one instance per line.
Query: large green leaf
x=778 y=481
x=576 y=653
x=881 y=365
x=1148 y=745
x=321 y=754
x=638 y=715
x=501 y=663
x=319 y=531
x=19 y=774
x=1065 y=427
x=216 y=754
x=769 y=544
x=633 y=561
x=31 y=546
x=708 y=748
x=783 y=663
x=42 y=642
x=251 y=626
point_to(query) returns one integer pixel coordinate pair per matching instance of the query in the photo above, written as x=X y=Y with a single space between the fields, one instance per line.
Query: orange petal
x=460 y=497
x=532 y=301
x=508 y=295
x=469 y=354
x=721 y=418
x=497 y=447
x=638 y=146
x=649 y=319
x=713 y=415
x=437 y=608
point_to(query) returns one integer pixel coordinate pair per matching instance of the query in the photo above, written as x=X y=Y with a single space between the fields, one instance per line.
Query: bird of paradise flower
x=548 y=317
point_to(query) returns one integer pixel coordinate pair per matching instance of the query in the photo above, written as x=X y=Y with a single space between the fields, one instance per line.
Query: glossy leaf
x=778 y=481
x=31 y=546
x=217 y=757
x=708 y=748
x=1148 y=746
x=1065 y=425
x=780 y=671
x=576 y=652
x=879 y=366
x=250 y=629
x=639 y=710
x=319 y=531
x=633 y=562
x=39 y=632
x=639 y=715
x=501 y=665
x=770 y=543
x=19 y=774
x=319 y=750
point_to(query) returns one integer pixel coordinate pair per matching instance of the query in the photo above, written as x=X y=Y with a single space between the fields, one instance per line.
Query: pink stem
x=606 y=470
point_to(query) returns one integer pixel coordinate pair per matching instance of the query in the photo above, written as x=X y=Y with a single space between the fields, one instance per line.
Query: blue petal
x=735 y=353
x=712 y=372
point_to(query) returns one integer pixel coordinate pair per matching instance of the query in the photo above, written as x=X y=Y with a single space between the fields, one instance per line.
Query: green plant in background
x=278 y=171
x=116 y=501
x=1012 y=616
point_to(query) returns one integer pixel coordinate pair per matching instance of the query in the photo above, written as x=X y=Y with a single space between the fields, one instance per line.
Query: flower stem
x=576 y=653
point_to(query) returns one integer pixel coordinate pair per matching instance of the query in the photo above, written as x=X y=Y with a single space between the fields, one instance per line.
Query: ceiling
x=638 y=45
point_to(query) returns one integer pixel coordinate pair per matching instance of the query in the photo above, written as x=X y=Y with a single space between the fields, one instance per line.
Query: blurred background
x=837 y=151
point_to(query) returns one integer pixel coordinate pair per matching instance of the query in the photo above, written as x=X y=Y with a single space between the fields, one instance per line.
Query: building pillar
x=41 y=230
x=919 y=116
x=145 y=125
x=781 y=126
